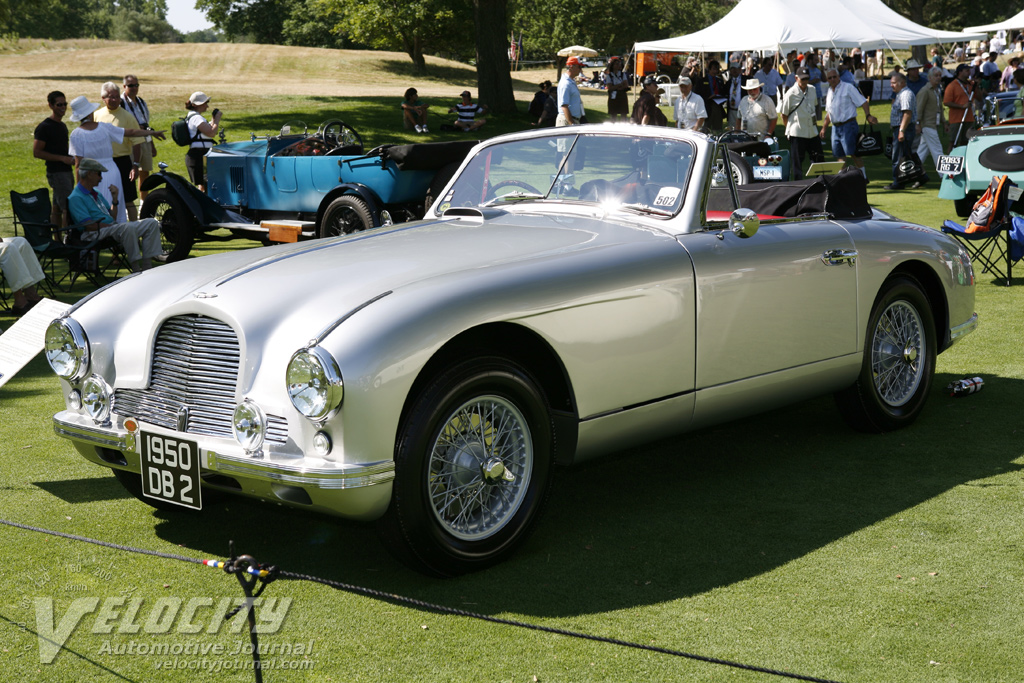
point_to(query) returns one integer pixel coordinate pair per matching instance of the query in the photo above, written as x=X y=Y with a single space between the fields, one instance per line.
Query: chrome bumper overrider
x=343 y=476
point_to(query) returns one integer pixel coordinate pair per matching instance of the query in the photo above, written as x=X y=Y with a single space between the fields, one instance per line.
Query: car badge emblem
x=1014 y=149
x=183 y=419
x=204 y=295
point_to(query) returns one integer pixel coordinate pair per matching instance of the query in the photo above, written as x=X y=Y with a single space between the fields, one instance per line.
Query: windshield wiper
x=513 y=197
x=643 y=208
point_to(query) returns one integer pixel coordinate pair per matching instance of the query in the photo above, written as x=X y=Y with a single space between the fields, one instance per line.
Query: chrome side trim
x=963 y=329
x=319 y=338
x=106 y=437
x=350 y=477
x=78 y=304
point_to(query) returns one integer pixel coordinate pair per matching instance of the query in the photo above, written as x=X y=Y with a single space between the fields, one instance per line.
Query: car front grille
x=195 y=367
x=237 y=176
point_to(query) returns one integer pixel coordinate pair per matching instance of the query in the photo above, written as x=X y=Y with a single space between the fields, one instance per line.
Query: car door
x=783 y=298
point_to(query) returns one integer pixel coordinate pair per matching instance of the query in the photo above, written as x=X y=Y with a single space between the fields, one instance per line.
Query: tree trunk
x=414 y=48
x=494 y=82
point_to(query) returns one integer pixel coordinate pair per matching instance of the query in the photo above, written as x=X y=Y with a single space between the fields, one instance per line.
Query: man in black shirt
x=51 y=145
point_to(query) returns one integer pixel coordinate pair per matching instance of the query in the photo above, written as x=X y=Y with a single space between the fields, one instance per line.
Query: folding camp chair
x=991 y=249
x=987 y=236
x=32 y=216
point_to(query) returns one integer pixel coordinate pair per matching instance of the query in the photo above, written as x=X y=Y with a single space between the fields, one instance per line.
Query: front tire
x=899 y=361
x=345 y=215
x=177 y=224
x=473 y=466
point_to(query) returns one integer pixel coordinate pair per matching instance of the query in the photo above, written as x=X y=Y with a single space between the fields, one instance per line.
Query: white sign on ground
x=21 y=342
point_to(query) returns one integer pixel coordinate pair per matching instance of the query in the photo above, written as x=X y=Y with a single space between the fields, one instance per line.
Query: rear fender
x=368 y=195
x=955 y=187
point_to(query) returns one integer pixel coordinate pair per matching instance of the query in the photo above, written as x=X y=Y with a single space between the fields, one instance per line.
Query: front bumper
x=354 y=491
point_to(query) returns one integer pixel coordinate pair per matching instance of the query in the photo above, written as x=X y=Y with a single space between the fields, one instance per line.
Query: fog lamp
x=96 y=399
x=249 y=425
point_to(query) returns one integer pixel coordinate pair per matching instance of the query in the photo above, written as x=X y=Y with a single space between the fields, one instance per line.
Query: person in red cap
x=570 y=104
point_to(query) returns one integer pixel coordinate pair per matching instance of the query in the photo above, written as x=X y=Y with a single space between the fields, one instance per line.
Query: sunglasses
x=132 y=85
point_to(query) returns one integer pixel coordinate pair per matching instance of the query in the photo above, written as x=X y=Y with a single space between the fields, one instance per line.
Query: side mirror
x=744 y=223
x=719 y=180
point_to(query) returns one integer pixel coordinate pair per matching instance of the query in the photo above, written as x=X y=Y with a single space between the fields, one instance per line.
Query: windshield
x=632 y=173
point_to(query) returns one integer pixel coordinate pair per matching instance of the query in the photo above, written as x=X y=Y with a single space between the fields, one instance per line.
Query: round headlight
x=314 y=383
x=96 y=399
x=249 y=425
x=67 y=349
x=386 y=219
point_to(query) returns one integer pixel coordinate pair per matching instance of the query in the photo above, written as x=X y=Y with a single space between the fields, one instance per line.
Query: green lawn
x=784 y=540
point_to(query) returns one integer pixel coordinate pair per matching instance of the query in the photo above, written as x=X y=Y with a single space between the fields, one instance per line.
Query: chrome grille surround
x=196 y=361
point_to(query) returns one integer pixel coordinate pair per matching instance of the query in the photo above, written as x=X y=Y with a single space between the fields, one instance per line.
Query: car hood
x=286 y=295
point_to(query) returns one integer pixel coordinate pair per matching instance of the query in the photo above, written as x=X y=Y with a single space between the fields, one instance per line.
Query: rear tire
x=741 y=171
x=965 y=206
x=345 y=215
x=177 y=224
x=899 y=361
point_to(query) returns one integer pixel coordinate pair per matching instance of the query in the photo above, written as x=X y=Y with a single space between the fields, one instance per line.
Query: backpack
x=180 y=133
x=991 y=208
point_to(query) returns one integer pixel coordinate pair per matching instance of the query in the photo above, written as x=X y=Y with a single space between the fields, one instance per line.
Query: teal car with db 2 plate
x=297 y=185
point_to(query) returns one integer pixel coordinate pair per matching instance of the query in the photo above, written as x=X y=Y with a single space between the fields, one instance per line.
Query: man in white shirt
x=798 y=112
x=689 y=109
x=841 y=104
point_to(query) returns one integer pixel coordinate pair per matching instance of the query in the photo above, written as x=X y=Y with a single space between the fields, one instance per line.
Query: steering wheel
x=337 y=133
x=511 y=182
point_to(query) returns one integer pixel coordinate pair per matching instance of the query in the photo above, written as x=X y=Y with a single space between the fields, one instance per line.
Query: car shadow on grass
x=668 y=520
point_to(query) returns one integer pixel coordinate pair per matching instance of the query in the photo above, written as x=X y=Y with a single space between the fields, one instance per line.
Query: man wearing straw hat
x=758 y=115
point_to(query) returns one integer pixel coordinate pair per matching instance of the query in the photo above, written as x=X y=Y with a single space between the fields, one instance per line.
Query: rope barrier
x=250 y=573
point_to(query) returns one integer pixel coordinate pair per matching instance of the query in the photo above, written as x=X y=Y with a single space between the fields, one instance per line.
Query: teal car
x=993 y=150
x=296 y=185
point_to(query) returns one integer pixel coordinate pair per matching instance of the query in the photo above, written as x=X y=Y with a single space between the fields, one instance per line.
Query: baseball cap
x=199 y=97
x=803 y=72
x=573 y=60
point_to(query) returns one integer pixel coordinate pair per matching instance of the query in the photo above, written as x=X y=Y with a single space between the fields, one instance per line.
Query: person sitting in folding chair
x=22 y=270
x=91 y=208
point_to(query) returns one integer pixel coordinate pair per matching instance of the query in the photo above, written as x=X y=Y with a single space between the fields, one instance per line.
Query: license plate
x=170 y=470
x=767 y=172
x=950 y=165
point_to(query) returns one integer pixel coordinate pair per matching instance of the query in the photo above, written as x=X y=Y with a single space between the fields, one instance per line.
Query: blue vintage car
x=280 y=188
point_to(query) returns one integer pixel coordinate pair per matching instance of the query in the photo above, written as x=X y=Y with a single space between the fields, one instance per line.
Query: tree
x=255 y=21
x=416 y=28
x=493 y=80
x=145 y=28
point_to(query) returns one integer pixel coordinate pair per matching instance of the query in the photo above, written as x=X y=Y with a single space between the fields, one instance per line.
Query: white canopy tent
x=803 y=24
x=1014 y=22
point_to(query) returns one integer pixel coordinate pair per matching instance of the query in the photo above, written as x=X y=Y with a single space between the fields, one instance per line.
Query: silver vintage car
x=572 y=292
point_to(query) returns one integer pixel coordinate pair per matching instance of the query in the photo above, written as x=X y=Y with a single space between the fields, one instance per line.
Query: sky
x=182 y=15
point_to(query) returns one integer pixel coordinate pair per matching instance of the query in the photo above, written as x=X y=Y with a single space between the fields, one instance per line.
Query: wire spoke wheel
x=898 y=354
x=480 y=467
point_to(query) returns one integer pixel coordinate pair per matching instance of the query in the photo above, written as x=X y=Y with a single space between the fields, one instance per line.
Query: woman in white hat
x=92 y=140
x=201 y=134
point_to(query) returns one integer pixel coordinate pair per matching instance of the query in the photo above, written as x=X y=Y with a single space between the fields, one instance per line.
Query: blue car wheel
x=345 y=215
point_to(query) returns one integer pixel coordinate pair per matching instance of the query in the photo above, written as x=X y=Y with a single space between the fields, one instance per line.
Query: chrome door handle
x=837 y=257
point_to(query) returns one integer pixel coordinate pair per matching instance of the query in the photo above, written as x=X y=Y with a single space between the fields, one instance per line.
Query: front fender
x=204 y=209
